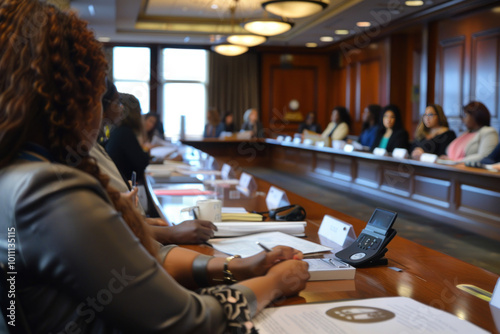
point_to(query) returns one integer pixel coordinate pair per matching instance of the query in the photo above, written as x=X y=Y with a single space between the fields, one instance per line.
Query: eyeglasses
x=428 y=115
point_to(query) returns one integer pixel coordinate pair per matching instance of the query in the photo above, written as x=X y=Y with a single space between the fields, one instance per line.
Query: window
x=131 y=72
x=185 y=81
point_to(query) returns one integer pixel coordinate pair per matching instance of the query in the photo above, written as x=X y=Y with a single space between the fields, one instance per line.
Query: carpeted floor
x=464 y=245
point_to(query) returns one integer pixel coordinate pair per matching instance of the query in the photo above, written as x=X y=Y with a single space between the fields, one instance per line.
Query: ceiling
x=207 y=22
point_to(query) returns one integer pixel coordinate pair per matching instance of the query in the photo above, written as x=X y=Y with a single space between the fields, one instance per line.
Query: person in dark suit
x=391 y=133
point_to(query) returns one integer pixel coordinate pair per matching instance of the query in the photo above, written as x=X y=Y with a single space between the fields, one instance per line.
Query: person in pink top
x=480 y=138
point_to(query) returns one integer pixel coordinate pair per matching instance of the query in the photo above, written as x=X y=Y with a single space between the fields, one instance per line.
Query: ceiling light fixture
x=341 y=32
x=414 y=3
x=230 y=49
x=326 y=38
x=246 y=40
x=311 y=45
x=295 y=8
x=363 y=24
x=267 y=27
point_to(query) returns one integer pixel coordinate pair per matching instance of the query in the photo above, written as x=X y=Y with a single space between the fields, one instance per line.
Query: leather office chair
x=21 y=326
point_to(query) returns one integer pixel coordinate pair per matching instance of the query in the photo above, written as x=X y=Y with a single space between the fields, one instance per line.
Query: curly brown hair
x=52 y=77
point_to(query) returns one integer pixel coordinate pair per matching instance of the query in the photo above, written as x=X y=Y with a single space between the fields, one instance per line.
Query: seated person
x=228 y=122
x=391 y=133
x=371 y=116
x=493 y=158
x=432 y=135
x=480 y=138
x=123 y=145
x=89 y=241
x=338 y=128
x=188 y=232
x=151 y=136
x=252 y=123
x=213 y=128
x=310 y=124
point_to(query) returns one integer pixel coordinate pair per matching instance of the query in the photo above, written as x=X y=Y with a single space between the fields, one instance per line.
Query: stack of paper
x=247 y=246
x=235 y=229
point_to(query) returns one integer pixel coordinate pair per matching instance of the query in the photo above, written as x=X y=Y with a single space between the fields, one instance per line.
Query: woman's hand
x=131 y=197
x=290 y=276
x=260 y=263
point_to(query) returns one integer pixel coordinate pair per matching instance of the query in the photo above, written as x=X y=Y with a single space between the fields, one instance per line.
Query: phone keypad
x=367 y=242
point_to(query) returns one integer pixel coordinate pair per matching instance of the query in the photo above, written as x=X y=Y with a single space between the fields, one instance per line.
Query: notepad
x=247 y=245
x=243 y=217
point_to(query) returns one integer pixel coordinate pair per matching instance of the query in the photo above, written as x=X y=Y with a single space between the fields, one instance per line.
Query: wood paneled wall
x=468 y=65
x=448 y=62
x=287 y=77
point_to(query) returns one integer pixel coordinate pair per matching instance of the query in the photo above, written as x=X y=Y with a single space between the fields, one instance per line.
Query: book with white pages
x=246 y=246
x=241 y=228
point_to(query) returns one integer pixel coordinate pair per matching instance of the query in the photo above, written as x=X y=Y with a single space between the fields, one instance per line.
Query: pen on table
x=193 y=210
x=263 y=247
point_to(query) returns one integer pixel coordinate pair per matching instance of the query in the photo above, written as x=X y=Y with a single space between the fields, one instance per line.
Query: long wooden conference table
x=423 y=274
x=457 y=195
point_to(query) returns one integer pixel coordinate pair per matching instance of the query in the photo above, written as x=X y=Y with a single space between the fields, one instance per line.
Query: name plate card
x=296 y=140
x=247 y=184
x=225 y=172
x=495 y=305
x=337 y=231
x=400 y=153
x=288 y=139
x=380 y=151
x=280 y=138
x=348 y=148
x=276 y=198
x=320 y=143
x=427 y=157
x=308 y=141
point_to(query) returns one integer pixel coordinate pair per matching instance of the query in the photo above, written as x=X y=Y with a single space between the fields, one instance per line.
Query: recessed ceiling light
x=91 y=10
x=414 y=3
x=342 y=32
x=104 y=39
x=363 y=24
x=326 y=38
x=311 y=45
x=496 y=10
x=214 y=6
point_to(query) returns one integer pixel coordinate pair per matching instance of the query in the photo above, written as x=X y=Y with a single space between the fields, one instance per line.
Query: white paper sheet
x=376 y=315
x=247 y=246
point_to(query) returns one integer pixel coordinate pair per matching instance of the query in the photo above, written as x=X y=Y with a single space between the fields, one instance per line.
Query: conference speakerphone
x=370 y=247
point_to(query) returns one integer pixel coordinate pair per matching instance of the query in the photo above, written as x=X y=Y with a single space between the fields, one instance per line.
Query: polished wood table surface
x=426 y=275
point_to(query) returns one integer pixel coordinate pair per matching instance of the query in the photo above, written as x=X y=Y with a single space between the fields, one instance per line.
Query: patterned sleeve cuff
x=236 y=308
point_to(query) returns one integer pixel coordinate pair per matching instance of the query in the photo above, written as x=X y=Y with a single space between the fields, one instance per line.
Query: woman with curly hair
x=79 y=267
x=338 y=128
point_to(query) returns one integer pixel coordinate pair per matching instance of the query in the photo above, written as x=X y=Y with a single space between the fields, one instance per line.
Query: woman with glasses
x=432 y=134
x=391 y=133
x=480 y=138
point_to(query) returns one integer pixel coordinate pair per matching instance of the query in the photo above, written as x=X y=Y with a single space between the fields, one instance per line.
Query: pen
x=133 y=179
x=263 y=247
